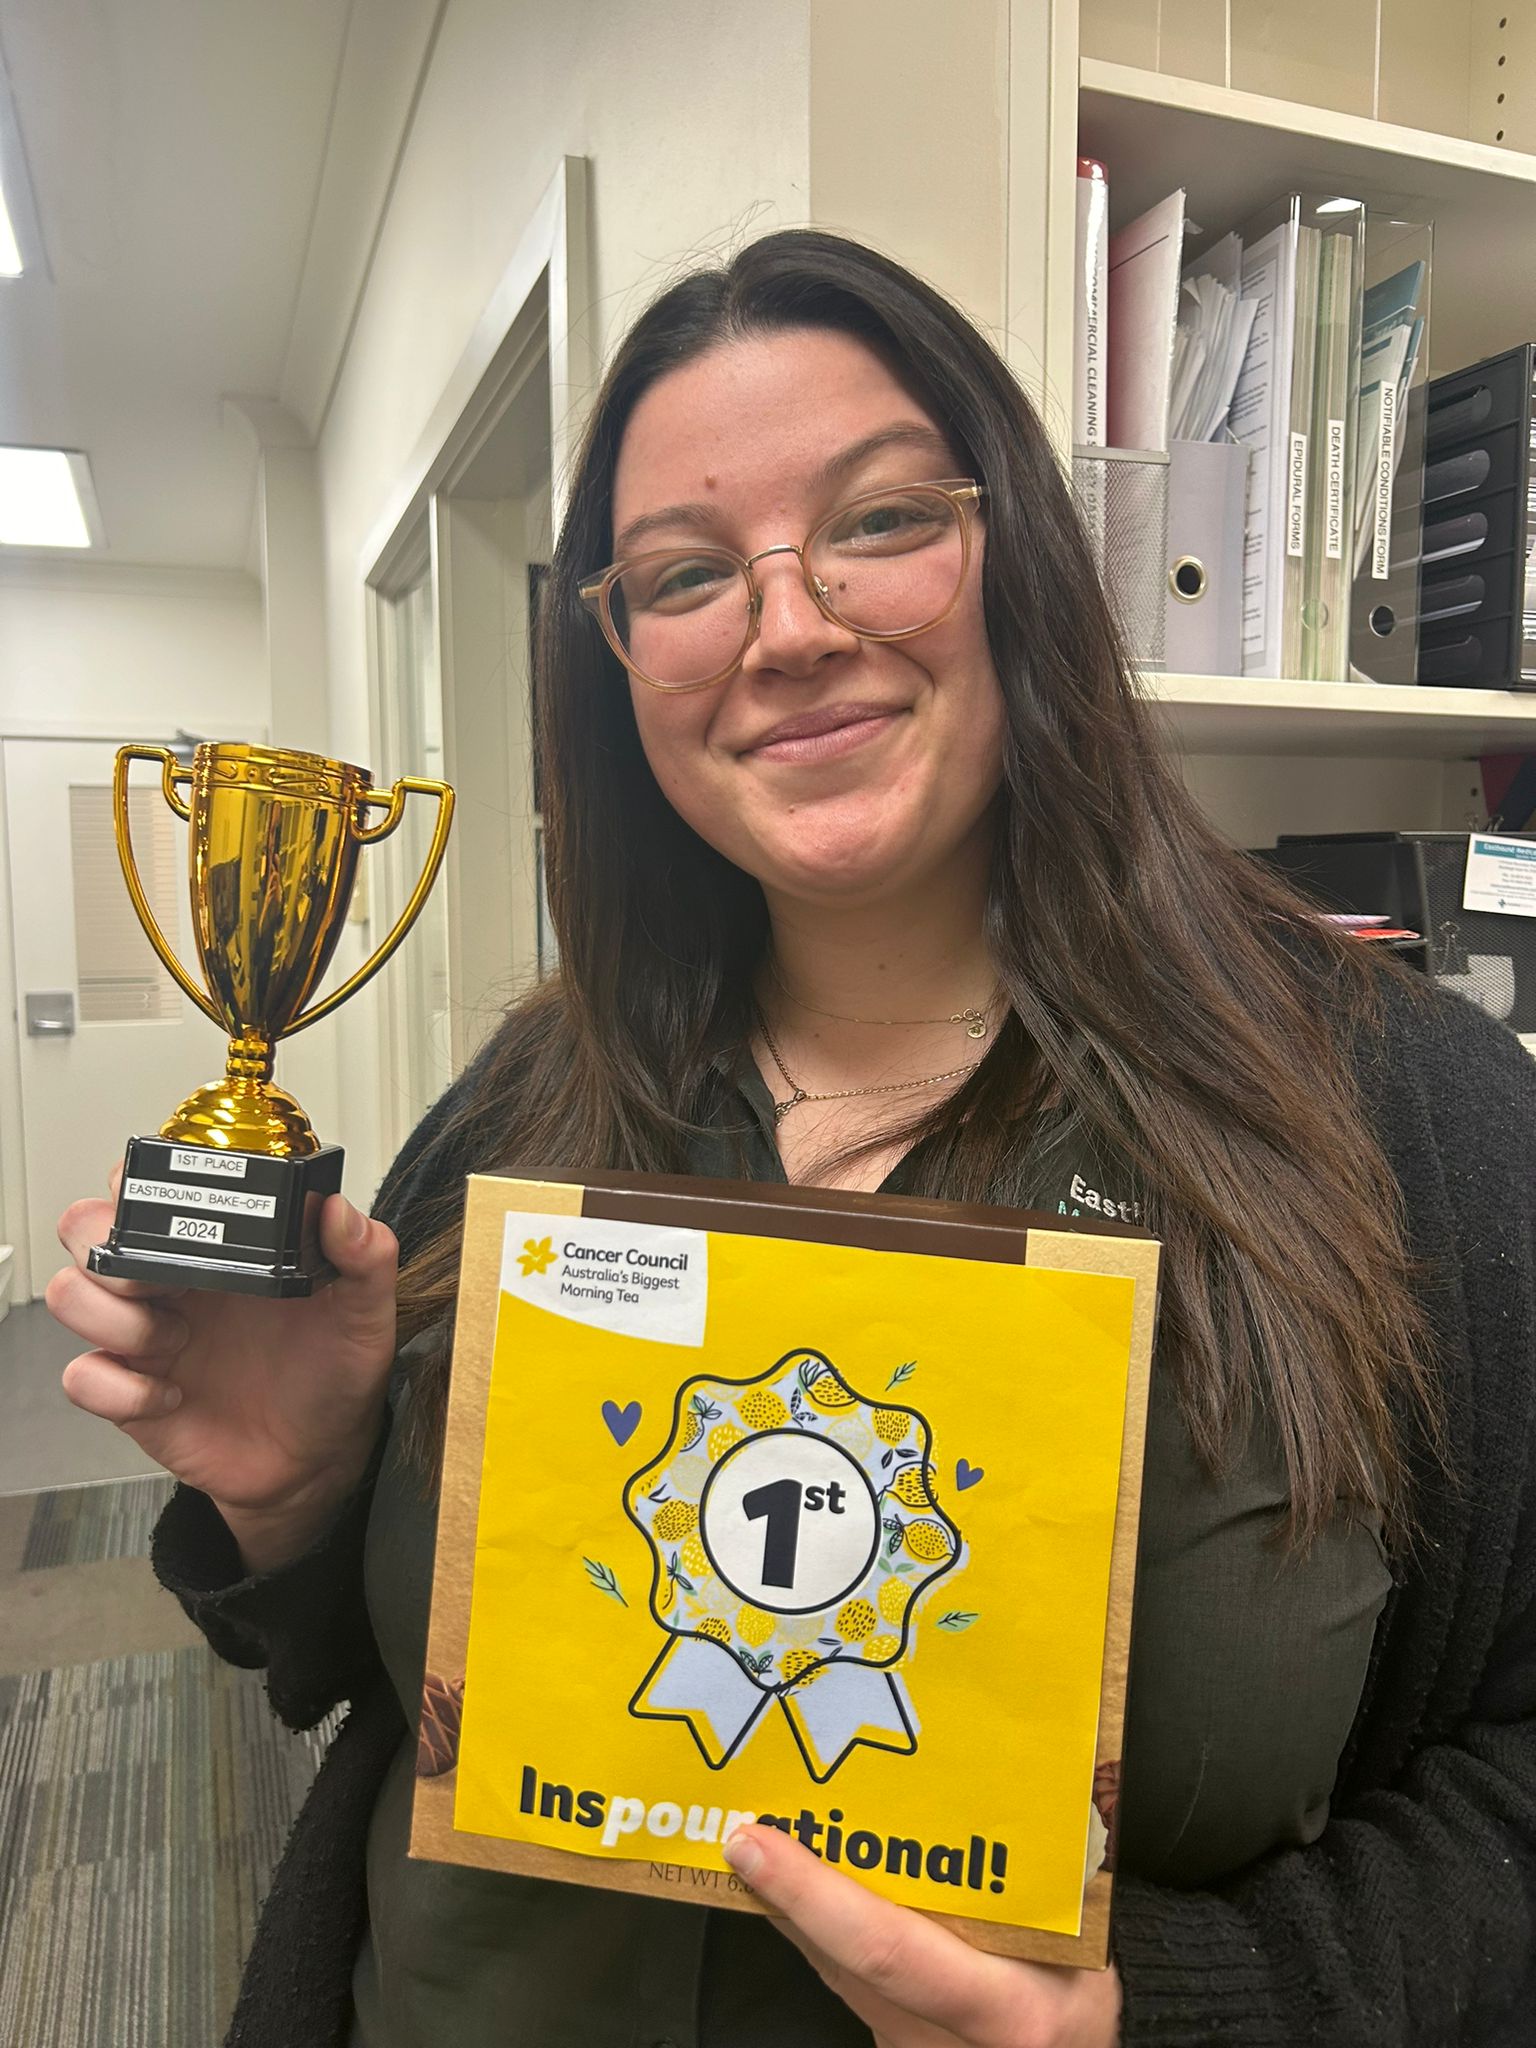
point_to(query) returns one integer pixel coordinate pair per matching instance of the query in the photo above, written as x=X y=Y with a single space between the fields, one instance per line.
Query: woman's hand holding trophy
x=269 y=1407
x=242 y=1312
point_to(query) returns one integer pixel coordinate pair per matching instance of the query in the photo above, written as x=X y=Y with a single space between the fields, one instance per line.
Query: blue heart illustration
x=967 y=1474
x=622 y=1422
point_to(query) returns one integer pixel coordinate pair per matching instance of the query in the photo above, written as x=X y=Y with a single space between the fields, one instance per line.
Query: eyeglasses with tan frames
x=884 y=565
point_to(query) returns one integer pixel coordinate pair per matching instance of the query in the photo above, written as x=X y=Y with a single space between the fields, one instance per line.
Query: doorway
x=453 y=581
x=107 y=1044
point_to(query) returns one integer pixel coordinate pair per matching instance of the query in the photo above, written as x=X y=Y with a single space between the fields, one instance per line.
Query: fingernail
x=357 y=1224
x=742 y=1854
x=170 y=1397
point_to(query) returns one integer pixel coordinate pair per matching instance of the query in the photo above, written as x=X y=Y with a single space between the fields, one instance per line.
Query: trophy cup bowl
x=228 y=1194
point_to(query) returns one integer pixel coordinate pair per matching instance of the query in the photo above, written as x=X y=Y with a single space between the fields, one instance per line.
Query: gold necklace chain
x=975 y=1021
x=799 y=1094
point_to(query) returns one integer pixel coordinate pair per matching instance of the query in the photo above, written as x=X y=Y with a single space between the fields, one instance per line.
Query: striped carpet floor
x=144 y=1798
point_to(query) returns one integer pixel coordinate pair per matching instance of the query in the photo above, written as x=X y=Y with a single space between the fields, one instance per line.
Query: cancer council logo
x=536 y=1256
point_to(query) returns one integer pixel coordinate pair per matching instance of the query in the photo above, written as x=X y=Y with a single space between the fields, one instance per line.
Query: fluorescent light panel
x=20 y=245
x=46 y=498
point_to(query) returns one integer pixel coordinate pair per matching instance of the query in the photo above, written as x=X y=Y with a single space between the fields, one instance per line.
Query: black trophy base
x=240 y=1222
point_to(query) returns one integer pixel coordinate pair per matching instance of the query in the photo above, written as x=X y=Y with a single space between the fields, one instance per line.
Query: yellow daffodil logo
x=536 y=1256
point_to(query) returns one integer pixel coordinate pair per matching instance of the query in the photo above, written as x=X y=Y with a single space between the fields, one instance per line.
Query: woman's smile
x=834 y=730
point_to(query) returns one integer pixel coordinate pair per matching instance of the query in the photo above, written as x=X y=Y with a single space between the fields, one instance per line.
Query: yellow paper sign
x=805 y=1531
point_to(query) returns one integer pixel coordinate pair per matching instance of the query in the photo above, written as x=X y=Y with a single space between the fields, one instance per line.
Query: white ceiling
x=208 y=177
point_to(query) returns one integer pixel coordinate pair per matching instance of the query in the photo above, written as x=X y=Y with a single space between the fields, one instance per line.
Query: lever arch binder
x=1207 y=488
x=1293 y=408
x=1389 y=465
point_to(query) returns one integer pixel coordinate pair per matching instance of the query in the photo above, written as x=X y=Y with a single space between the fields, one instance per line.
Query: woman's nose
x=793 y=633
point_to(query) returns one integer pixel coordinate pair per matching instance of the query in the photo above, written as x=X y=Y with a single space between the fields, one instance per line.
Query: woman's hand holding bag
x=271 y=1408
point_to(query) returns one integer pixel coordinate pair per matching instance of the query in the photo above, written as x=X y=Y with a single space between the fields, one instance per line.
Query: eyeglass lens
x=890 y=564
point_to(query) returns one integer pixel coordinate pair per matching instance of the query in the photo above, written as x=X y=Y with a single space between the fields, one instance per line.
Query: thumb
x=360 y=1247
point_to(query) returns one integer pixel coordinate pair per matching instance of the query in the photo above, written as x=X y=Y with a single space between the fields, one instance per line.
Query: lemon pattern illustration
x=700 y=1414
x=675 y=1519
x=714 y=1597
x=799 y=1630
x=855 y=1620
x=823 y=1388
x=852 y=1433
x=870 y=1624
x=721 y=1439
x=927 y=1540
x=754 y=1627
x=893 y=1599
x=762 y=1410
x=689 y=1475
x=911 y=1488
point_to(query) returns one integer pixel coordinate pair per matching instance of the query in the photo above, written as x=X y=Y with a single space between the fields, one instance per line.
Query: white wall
x=132 y=651
x=694 y=118
x=125 y=653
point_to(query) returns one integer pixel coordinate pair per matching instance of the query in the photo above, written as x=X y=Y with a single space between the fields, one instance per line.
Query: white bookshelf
x=1235 y=151
x=1381 y=753
x=1249 y=714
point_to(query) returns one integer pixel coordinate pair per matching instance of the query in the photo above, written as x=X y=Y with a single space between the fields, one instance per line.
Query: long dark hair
x=1189 y=1009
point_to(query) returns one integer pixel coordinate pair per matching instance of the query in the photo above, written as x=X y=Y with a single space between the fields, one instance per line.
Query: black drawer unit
x=1416 y=879
x=1477 y=623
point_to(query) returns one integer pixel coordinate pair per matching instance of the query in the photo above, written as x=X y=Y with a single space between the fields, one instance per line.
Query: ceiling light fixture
x=10 y=253
x=47 y=499
x=21 y=242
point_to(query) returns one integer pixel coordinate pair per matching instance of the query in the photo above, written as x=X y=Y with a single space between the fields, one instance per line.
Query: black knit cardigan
x=1410 y=1923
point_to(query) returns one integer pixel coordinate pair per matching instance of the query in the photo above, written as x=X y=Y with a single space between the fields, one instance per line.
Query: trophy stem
x=244 y=1112
x=250 y=1060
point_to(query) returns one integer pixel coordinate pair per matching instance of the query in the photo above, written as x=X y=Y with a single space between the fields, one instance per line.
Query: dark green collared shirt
x=1246 y=1671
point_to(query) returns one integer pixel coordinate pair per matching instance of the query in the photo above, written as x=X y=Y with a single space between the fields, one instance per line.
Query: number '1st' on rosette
x=794 y=1525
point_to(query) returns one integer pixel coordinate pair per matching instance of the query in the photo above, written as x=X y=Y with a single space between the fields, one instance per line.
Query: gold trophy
x=228 y=1194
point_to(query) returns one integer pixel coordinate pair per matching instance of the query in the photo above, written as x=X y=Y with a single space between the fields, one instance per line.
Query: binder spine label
x=1092 y=286
x=1296 y=498
x=1333 y=507
x=1386 y=462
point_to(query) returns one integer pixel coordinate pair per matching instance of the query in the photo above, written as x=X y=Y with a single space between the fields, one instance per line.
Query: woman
x=865 y=872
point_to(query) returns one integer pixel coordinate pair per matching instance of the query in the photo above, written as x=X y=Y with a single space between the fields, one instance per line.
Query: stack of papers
x=1215 y=323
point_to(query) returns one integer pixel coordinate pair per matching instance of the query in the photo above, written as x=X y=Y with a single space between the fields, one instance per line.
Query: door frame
x=541 y=307
x=14 y=1208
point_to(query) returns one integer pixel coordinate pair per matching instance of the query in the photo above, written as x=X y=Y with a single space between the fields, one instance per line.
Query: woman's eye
x=676 y=584
x=881 y=520
x=897 y=519
x=684 y=582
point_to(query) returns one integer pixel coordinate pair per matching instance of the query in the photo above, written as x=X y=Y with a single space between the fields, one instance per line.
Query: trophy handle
x=393 y=803
x=171 y=773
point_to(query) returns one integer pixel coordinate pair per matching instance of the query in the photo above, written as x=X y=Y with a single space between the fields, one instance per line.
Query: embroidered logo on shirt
x=1082 y=1197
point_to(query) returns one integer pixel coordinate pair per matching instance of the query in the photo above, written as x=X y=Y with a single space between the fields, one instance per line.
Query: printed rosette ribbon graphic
x=794 y=1527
